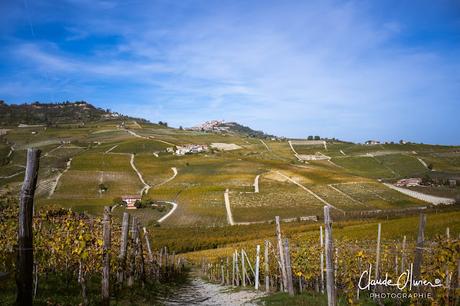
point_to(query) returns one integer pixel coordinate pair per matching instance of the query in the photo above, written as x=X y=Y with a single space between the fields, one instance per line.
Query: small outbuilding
x=131 y=200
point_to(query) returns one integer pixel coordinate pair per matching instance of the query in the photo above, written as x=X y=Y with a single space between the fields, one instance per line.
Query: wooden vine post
x=106 y=257
x=419 y=248
x=281 y=253
x=377 y=260
x=233 y=270
x=123 y=248
x=227 y=276
x=321 y=242
x=140 y=252
x=256 y=281
x=25 y=259
x=132 y=260
x=287 y=254
x=243 y=269
x=403 y=255
x=330 y=283
x=267 y=271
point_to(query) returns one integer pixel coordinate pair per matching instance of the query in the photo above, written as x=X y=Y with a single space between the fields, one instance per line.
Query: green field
x=101 y=154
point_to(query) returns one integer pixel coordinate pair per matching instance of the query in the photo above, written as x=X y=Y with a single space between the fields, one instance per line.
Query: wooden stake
x=419 y=248
x=322 y=257
x=237 y=268
x=106 y=257
x=403 y=255
x=287 y=254
x=132 y=261
x=227 y=278
x=233 y=269
x=25 y=259
x=281 y=253
x=222 y=272
x=147 y=242
x=377 y=261
x=123 y=247
x=267 y=271
x=140 y=249
x=331 y=296
x=243 y=268
x=256 y=280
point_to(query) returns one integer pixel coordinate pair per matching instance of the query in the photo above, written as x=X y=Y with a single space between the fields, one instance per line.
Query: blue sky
x=355 y=70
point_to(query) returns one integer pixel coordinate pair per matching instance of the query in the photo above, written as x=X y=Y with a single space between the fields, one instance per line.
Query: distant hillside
x=230 y=127
x=53 y=113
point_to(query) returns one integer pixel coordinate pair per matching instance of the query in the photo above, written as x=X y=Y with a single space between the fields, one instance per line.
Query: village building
x=372 y=142
x=409 y=182
x=131 y=200
x=190 y=149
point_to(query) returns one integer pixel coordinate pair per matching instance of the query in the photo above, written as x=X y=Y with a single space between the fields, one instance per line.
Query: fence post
x=106 y=257
x=132 y=262
x=287 y=254
x=243 y=268
x=419 y=248
x=321 y=239
x=330 y=283
x=140 y=249
x=403 y=255
x=377 y=261
x=222 y=274
x=233 y=269
x=227 y=278
x=237 y=269
x=123 y=247
x=267 y=271
x=281 y=253
x=256 y=281
x=25 y=259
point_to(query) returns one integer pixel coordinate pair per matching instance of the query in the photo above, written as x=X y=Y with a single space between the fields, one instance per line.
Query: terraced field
x=101 y=153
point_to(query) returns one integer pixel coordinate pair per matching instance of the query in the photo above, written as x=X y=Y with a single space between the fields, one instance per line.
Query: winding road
x=174 y=204
x=422 y=196
x=58 y=177
x=139 y=175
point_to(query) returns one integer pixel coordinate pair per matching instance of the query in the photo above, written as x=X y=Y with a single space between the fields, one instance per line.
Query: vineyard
x=297 y=266
x=58 y=250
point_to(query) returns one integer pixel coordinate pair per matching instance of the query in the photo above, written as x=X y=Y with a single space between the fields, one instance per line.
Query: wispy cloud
x=339 y=69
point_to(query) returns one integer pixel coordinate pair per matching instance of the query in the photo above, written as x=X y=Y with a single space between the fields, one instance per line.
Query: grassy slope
x=203 y=178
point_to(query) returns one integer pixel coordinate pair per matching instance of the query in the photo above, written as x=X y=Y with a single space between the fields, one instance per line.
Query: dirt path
x=263 y=142
x=422 y=162
x=174 y=169
x=12 y=175
x=52 y=150
x=137 y=124
x=146 y=186
x=199 y=292
x=174 y=204
x=58 y=177
x=256 y=184
x=227 y=207
x=110 y=150
x=421 y=196
x=150 y=137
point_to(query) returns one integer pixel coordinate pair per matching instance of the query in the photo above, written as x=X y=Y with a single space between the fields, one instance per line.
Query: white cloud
x=323 y=66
